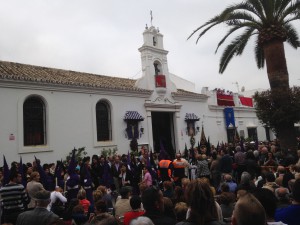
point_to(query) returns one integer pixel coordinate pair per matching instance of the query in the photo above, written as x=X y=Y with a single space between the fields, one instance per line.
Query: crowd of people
x=231 y=184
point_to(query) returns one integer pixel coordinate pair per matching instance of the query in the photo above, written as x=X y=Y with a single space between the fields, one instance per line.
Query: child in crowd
x=83 y=201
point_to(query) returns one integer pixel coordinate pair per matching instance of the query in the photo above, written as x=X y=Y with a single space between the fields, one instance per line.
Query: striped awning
x=133 y=115
x=191 y=117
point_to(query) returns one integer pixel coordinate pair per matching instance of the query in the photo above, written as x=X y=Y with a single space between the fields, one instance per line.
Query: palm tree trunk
x=279 y=83
x=276 y=65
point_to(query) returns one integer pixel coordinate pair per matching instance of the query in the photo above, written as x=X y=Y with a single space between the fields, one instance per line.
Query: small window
x=157 y=68
x=103 y=120
x=34 y=122
x=154 y=41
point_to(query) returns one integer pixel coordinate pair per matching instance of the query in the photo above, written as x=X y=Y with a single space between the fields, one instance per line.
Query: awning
x=191 y=117
x=133 y=115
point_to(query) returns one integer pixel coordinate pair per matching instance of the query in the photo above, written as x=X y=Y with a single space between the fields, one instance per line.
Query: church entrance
x=163 y=132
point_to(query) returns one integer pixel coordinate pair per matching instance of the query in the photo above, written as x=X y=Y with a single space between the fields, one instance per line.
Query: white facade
x=71 y=116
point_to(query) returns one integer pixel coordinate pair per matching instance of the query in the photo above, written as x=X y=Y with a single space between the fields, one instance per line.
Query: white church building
x=47 y=112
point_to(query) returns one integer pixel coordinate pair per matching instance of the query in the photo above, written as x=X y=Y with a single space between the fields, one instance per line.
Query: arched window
x=157 y=68
x=34 y=121
x=103 y=121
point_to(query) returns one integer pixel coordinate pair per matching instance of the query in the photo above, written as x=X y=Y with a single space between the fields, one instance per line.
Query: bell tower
x=154 y=63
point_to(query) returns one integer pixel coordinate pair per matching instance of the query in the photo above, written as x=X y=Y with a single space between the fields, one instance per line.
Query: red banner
x=225 y=100
x=160 y=81
x=246 y=101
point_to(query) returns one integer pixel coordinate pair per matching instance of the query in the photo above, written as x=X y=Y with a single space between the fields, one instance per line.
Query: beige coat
x=33 y=187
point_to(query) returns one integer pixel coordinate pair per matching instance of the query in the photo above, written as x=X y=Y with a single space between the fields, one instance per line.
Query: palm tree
x=270 y=22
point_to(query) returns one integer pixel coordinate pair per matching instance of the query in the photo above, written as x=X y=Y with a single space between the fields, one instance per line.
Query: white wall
x=70 y=123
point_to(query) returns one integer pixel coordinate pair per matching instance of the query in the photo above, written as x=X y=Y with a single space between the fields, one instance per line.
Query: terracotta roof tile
x=17 y=71
x=25 y=72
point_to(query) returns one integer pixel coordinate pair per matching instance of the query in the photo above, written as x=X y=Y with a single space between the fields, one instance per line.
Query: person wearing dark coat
x=116 y=170
x=225 y=162
x=39 y=215
x=72 y=183
x=86 y=179
x=153 y=204
x=251 y=165
x=95 y=171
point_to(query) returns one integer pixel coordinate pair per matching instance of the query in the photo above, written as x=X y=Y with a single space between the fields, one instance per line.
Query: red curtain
x=160 y=81
x=225 y=100
x=246 y=101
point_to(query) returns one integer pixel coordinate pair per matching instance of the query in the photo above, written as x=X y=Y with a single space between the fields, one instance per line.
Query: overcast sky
x=103 y=37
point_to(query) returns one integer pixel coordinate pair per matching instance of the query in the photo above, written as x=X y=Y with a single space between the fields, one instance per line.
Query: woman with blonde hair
x=33 y=187
x=83 y=200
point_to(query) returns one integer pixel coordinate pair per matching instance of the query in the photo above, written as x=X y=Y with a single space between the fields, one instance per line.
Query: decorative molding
x=158 y=99
x=167 y=100
x=150 y=106
x=153 y=49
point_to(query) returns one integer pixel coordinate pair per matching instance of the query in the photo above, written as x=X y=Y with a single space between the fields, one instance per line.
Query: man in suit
x=39 y=215
x=116 y=170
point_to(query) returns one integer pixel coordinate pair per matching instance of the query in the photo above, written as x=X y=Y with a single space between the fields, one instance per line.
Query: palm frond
x=291 y=9
x=296 y=17
x=227 y=35
x=236 y=47
x=235 y=28
x=227 y=55
x=211 y=21
x=292 y=36
x=241 y=17
x=257 y=6
x=205 y=30
x=280 y=5
x=259 y=55
x=243 y=40
x=268 y=7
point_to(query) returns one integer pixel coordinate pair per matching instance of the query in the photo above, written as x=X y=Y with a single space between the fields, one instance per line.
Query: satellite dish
x=243 y=89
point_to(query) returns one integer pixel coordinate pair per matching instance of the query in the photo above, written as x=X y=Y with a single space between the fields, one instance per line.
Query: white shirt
x=54 y=196
x=276 y=223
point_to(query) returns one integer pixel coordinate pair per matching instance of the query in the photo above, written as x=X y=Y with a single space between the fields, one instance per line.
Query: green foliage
x=80 y=153
x=248 y=139
x=274 y=115
x=109 y=152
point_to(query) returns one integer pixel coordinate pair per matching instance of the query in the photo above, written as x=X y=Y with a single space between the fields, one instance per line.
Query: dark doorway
x=230 y=135
x=252 y=133
x=163 y=132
